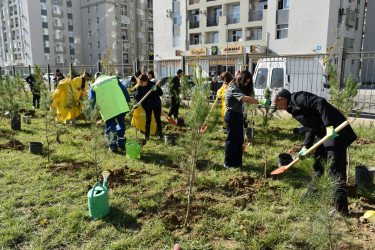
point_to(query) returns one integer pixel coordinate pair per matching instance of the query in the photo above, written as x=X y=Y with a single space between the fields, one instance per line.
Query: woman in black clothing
x=151 y=103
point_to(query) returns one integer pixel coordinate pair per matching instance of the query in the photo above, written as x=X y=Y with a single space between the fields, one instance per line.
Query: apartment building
x=227 y=30
x=64 y=32
x=40 y=32
x=125 y=27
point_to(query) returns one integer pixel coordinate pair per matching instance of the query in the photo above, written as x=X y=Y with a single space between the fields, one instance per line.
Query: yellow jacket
x=66 y=98
x=221 y=95
x=139 y=120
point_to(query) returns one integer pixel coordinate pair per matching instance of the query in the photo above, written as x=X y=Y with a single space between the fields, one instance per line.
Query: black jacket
x=315 y=114
x=152 y=100
x=173 y=87
x=30 y=80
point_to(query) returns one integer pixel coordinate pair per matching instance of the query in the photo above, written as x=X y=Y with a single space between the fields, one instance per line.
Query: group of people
x=317 y=116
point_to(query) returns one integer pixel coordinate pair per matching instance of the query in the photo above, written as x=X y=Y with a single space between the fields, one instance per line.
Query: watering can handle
x=93 y=189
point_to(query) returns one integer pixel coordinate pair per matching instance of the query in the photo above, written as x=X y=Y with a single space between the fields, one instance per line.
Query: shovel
x=282 y=169
x=204 y=126
x=170 y=120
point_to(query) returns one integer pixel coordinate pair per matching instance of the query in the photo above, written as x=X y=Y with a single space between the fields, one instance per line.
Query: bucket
x=35 y=148
x=299 y=130
x=170 y=139
x=364 y=175
x=31 y=112
x=249 y=132
x=180 y=122
x=15 y=123
x=133 y=149
x=26 y=119
x=285 y=159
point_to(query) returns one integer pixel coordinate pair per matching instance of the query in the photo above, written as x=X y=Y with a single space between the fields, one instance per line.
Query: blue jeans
x=115 y=132
x=233 y=144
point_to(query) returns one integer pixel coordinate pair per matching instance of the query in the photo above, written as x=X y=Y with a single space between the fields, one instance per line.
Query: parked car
x=126 y=82
x=45 y=76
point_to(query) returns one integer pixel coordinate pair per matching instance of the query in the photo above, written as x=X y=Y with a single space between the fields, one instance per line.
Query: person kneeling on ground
x=320 y=118
x=112 y=99
x=237 y=92
x=151 y=103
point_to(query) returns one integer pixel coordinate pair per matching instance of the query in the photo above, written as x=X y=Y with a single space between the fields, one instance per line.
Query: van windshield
x=277 y=78
x=261 y=81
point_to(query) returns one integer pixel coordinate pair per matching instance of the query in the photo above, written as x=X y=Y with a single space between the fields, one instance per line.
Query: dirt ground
x=10 y=145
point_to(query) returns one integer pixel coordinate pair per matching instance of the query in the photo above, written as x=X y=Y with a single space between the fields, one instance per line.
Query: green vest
x=109 y=97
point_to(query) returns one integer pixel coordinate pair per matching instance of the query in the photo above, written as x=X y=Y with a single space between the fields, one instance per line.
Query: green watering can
x=98 y=198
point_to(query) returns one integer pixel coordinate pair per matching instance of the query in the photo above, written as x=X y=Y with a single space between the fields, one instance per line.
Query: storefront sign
x=198 y=52
x=232 y=50
x=214 y=50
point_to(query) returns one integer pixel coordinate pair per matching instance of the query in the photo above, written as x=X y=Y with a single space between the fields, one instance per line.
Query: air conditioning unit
x=258 y=49
x=169 y=15
x=202 y=11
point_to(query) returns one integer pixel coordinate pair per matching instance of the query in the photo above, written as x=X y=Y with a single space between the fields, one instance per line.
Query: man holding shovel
x=320 y=119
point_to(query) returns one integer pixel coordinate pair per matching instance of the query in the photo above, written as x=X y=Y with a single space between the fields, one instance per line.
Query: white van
x=294 y=74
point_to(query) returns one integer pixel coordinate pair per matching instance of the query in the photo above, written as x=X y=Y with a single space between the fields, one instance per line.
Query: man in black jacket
x=35 y=90
x=319 y=118
x=174 y=91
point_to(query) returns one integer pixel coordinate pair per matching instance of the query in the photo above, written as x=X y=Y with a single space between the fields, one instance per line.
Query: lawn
x=44 y=204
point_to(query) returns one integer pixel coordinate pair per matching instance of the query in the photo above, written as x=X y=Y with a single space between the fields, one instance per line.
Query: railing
x=255 y=16
x=212 y=22
x=233 y=19
x=193 y=24
x=191 y=2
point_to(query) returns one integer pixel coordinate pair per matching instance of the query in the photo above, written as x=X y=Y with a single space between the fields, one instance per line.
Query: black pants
x=233 y=144
x=36 y=100
x=157 y=113
x=329 y=151
x=174 y=108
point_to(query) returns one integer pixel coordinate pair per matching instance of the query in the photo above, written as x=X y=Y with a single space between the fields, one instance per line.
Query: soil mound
x=294 y=148
x=363 y=141
x=122 y=176
x=69 y=167
x=17 y=145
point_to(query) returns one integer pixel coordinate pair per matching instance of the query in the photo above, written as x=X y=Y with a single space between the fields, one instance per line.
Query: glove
x=266 y=102
x=331 y=132
x=300 y=154
x=153 y=87
x=136 y=105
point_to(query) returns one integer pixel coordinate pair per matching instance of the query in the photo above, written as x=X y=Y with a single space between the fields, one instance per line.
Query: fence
x=302 y=72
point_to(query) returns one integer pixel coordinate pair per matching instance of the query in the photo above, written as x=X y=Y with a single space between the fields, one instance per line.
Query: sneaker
x=332 y=212
x=230 y=167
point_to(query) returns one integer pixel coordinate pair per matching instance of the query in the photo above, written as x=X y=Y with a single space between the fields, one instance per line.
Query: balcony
x=60 y=50
x=59 y=38
x=193 y=24
x=233 y=19
x=191 y=2
x=57 y=13
x=212 y=22
x=151 y=29
x=58 y=26
x=255 y=16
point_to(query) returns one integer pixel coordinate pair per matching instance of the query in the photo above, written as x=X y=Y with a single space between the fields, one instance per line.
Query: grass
x=44 y=205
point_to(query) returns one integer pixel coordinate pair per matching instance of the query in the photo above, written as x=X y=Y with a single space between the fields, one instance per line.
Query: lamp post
x=227 y=45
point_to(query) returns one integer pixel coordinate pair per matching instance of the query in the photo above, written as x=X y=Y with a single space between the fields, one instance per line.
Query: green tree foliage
x=8 y=92
x=343 y=99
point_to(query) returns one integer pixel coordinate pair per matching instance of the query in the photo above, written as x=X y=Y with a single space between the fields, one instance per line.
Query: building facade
x=226 y=30
x=64 y=32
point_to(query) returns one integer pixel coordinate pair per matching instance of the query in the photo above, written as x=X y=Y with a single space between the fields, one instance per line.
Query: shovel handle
x=136 y=86
x=209 y=113
x=323 y=140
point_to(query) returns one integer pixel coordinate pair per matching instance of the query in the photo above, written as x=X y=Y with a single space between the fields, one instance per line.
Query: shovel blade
x=279 y=170
x=171 y=121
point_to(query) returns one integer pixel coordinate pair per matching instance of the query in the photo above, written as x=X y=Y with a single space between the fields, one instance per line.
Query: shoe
x=116 y=150
x=160 y=137
x=231 y=167
x=122 y=148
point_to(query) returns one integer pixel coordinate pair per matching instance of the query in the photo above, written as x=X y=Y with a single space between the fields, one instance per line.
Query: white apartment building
x=227 y=30
x=64 y=32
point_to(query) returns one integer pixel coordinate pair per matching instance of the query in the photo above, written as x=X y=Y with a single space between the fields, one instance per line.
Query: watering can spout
x=105 y=177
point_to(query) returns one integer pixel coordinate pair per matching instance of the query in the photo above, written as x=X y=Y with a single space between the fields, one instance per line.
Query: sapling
x=267 y=115
x=8 y=101
x=186 y=88
x=194 y=146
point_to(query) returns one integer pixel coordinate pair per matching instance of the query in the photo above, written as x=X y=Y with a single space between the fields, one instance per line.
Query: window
x=98 y=45
x=71 y=34
x=46 y=56
x=282 y=31
x=69 y=10
x=98 y=32
x=261 y=81
x=89 y=22
x=88 y=10
x=260 y=31
x=43 y=6
x=45 y=31
x=90 y=45
x=176 y=41
x=236 y=35
x=283 y=4
x=97 y=20
x=96 y=8
x=70 y=22
x=196 y=38
x=90 y=57
x=99 y=56
x=216 y=37
x=44 y=19
x=176 y=18
x=277 y=78
x=89 y=34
